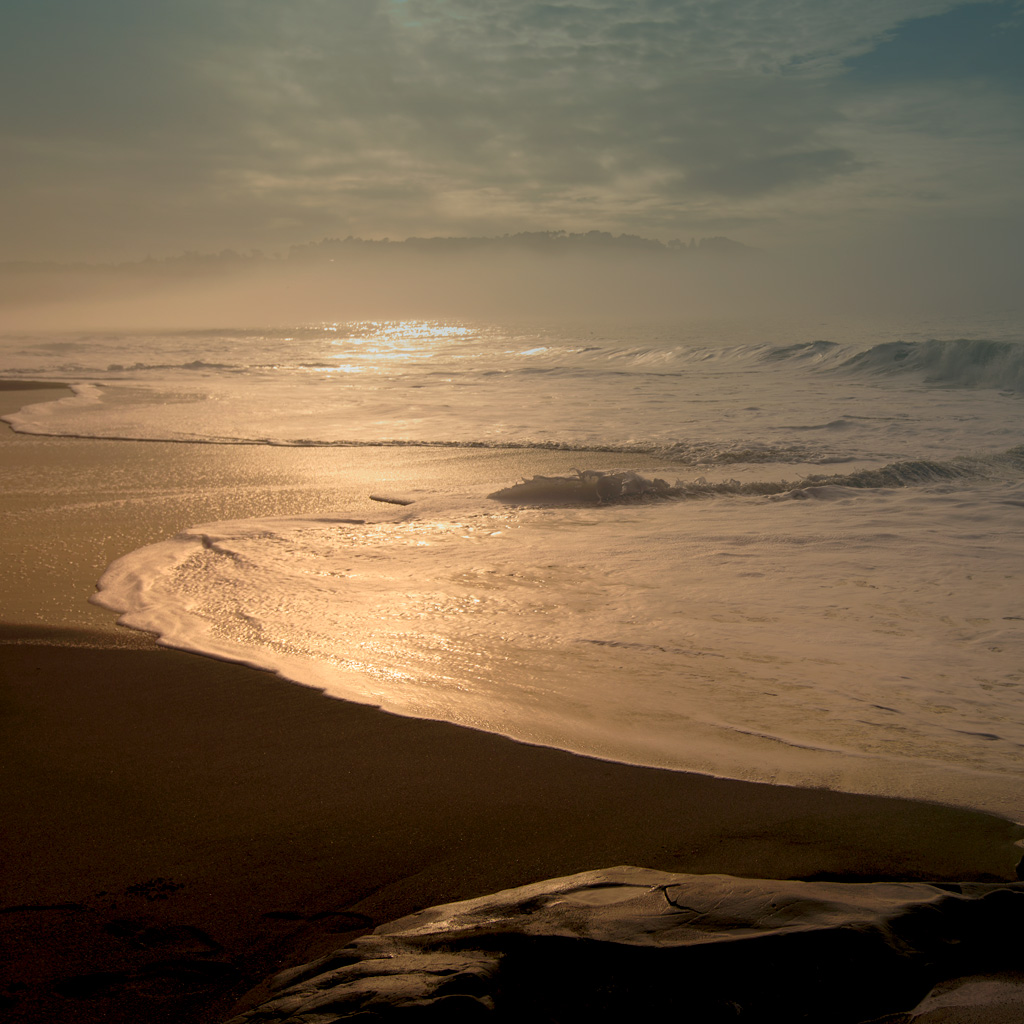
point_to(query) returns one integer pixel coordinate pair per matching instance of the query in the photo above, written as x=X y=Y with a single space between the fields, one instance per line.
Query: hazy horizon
x=494 y=278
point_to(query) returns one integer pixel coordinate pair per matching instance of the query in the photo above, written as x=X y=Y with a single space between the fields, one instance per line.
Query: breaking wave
x=806 y=351
x=963 y=362
x=959 y=362
x=596 y=487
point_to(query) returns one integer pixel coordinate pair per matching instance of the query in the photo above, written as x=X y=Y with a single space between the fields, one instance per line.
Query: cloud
x=769 y=173
x=266 y=122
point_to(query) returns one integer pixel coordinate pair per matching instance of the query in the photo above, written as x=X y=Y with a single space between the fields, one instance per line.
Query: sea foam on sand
x=839 y=640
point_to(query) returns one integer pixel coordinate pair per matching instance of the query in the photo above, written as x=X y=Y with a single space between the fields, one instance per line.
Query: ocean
x=787 y=552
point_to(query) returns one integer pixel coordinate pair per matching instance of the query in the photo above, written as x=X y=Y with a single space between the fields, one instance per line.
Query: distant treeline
x=332 y=249
x=539 y=273
x=533 y=241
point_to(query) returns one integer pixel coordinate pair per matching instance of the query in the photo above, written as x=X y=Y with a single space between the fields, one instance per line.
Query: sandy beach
x=178 y=829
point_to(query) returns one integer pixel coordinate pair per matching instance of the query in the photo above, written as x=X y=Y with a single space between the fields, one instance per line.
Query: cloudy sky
x=135 y=127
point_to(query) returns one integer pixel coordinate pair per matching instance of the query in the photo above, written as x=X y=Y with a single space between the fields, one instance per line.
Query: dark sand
x=177 y=829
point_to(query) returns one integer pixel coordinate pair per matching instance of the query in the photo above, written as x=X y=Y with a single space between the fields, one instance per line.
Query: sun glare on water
x=374 y=344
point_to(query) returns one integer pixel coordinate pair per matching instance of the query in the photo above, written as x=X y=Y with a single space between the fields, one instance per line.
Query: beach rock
x=634 y=943
x=986 y=999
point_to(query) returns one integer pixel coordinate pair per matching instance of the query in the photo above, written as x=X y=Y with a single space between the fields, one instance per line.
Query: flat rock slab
x=634 y=943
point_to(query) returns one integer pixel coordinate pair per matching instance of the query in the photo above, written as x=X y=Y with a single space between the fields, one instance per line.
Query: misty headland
x=547 y=275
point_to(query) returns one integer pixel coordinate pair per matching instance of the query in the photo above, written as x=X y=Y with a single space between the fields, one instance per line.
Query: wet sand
x=177 y=829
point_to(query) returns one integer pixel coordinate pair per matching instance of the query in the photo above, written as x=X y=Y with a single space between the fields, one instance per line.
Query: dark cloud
x=769 y=173
x=974 y=41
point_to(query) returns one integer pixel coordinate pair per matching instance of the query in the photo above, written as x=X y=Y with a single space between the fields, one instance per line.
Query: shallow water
x=825 y=589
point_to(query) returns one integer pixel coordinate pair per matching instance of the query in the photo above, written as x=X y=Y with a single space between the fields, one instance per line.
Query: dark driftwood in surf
x=391 y=500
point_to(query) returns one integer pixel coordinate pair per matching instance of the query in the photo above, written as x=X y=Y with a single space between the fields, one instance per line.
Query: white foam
x=711 y=395
x=841 y=642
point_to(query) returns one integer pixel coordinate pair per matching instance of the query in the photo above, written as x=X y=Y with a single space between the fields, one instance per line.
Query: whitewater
x=786 y=552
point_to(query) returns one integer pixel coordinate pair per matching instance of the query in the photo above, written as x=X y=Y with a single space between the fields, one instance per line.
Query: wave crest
x=963 y=362
x=598 y=487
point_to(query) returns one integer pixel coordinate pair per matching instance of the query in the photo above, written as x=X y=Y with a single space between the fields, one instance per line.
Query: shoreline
x=31 y=385
x=180 y=828
x=190 y=826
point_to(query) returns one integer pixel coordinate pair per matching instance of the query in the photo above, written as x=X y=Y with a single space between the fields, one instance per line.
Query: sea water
x=787 y=552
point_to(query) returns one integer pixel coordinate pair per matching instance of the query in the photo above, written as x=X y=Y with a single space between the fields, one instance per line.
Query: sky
x=154 y=127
